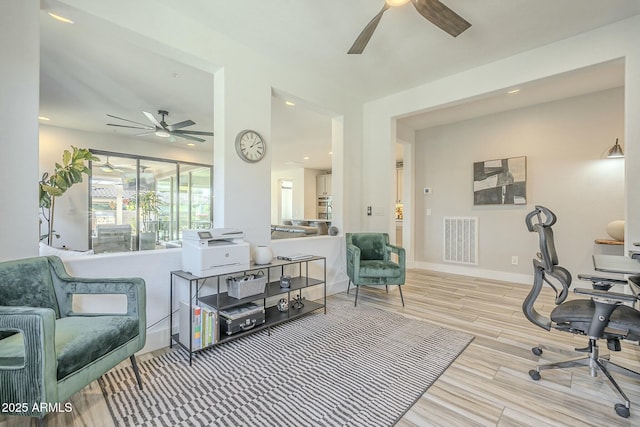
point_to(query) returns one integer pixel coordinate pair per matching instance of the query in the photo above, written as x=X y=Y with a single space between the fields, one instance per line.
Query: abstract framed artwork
x=500 y=182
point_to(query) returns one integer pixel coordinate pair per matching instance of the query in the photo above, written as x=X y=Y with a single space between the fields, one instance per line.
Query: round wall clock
x=250 y=146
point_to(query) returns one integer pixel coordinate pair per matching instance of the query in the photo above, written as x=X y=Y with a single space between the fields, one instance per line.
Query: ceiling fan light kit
x=393 y=3
x=432 y=10
x=161 y=129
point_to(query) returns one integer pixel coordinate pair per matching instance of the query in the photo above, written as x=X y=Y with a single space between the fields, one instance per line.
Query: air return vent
x=461 y=240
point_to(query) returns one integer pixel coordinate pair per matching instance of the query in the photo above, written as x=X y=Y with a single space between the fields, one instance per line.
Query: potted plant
x=149 y=205
x=65 y=175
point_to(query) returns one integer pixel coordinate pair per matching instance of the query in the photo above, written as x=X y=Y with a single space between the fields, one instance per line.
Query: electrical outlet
x=514 y=260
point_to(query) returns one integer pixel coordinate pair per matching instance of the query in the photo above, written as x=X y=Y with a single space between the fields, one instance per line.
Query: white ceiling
x=93 y=68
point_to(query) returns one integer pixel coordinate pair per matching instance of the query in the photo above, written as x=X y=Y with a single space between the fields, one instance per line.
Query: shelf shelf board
x=273 y=317
x=296 y=283
x=272 y=289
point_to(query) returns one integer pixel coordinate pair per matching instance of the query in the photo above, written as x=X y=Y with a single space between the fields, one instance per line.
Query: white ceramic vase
x=262 y=255
x=615 y=229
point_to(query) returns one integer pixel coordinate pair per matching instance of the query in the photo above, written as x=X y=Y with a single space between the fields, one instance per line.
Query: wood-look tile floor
x=488 y=384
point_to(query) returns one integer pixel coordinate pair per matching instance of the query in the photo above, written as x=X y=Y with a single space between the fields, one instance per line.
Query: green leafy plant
x=149 y=204
x=64 y=176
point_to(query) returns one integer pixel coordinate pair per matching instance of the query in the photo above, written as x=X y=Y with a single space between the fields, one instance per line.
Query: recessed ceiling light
x=289 y=103
x=60 y=18
x=512 y=91
x=43 y=118
x=331 y=153
x=191 y=144
x=306 y=157
x=396 y=2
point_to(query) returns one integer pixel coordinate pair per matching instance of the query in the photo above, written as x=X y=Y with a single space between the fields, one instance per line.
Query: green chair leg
x=355 y=303
x=401 y=297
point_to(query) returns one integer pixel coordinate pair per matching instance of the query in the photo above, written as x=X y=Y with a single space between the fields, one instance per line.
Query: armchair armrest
x=28 y=361
x=133 y=288
x=353 y=261
x=398 y=251
x=66 y=286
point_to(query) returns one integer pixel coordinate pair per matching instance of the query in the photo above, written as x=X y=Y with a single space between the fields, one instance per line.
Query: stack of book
x=201 y=324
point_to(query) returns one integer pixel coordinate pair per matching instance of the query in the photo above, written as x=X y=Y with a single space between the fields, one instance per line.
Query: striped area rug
x=351 y=367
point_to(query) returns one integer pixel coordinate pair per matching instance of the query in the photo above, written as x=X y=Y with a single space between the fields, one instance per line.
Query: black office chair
x=603 y=316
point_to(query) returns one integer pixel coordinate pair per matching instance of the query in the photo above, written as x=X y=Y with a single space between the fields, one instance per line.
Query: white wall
x=619 y=40
x=19 y=104
x=564 y=142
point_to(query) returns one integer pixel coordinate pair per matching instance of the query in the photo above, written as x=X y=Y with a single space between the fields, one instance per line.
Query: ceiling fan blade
x=181 y=125
x=145 y=133
x=127 y=120
x=192 y=132
x=153 y=120
x=362 y=40
x=441 y=16
x=130 y=127
x=191 y=138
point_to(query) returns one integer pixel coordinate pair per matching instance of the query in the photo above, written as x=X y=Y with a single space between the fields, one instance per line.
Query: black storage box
x=241 y=318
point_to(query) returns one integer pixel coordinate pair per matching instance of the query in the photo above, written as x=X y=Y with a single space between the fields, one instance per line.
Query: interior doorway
x=286 y=200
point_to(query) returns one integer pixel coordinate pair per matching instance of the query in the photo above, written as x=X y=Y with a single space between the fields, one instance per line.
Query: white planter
x=615 y=229
x=262 y=255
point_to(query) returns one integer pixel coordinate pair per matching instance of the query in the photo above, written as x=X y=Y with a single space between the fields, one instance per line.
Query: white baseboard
x=476 y=272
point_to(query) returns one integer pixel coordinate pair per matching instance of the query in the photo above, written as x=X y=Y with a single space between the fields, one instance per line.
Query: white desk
x=621 y=265
x=616 y=264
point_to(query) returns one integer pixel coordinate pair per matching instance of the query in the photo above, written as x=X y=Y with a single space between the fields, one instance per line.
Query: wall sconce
x=615 y=152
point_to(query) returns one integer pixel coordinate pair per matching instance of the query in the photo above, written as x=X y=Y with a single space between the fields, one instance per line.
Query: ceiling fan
x=108 y=167
x=162 y=129
x=432 y=10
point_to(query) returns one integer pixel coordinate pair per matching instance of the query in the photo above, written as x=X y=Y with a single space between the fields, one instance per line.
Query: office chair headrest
x=539 y=212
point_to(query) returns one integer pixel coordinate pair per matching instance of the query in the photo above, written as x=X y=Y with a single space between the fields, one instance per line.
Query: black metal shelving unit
x=222 y=300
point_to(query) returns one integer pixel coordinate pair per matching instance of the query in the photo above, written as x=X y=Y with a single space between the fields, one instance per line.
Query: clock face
x=250 y=146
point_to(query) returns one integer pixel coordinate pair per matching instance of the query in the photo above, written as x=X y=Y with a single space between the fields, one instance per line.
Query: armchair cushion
x=79 y=341
x=372 y=245
x=82 y=340
x=378 y=268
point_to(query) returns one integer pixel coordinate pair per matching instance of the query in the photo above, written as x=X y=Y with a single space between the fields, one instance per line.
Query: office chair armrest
x=606 y=297
x=602 y=283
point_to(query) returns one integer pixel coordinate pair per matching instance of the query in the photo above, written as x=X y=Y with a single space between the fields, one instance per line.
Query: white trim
x=476 y=272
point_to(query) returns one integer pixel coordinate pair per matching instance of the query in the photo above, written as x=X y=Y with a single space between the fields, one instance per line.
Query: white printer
x=214 y=251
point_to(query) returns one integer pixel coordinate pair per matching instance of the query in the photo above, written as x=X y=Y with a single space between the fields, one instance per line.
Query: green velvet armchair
x=369 y=262
x=48 y=351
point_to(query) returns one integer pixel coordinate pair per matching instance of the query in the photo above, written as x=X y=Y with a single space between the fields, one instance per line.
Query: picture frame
x=500 y=181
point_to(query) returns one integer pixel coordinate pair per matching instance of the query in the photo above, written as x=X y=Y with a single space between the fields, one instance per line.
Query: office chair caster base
x=535 y=375
x=537 y=351
x=622 y=410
